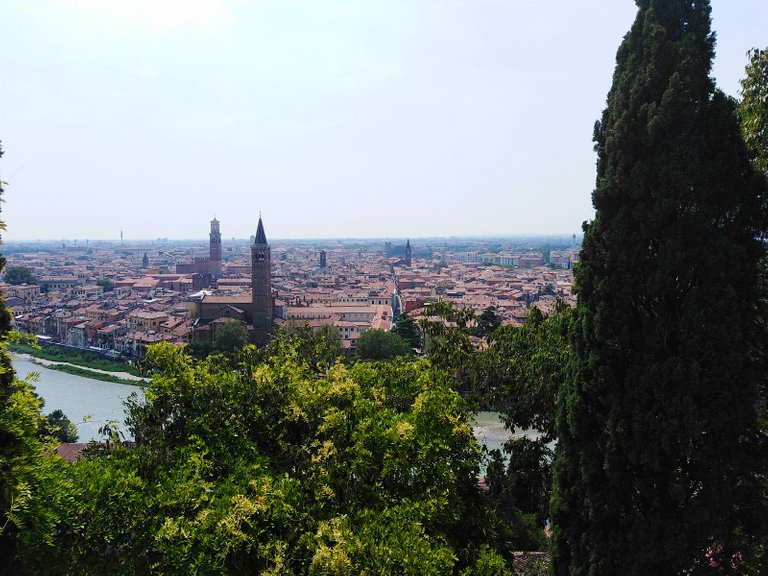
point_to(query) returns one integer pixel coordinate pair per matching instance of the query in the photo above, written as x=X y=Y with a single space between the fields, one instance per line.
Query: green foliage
x=276 y=467
x=381 y=345
x=106 y=285
x=447 y=340
x=753 y=108
x=394 y=541
x=753 y=118
x=23 y=466
x=487 y=322
x=407 y=328
x=520 y=374
x=521 y=483
x=659 y=457
x=230 y=337
x=199 y=349
x=21 y=452
x=16 y=338
x=19 y=275
x=488 y=563
x=60 y=427
x=523 y=368
x=318 y=349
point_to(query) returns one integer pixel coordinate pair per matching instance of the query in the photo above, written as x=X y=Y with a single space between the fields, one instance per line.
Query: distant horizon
x=126 y=241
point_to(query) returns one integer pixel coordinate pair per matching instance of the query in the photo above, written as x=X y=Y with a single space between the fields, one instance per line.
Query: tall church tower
x=215 y=259
x=408 y=252
x=261 y=285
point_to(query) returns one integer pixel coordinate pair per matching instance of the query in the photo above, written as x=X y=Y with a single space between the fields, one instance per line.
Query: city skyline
x=336 y=120
x=201 y=240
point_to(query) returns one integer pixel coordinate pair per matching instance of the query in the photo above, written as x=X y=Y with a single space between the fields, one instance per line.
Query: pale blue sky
x=357 y=118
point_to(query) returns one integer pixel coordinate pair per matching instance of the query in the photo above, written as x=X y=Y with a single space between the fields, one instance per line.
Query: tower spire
x=261 y=237
x=262 y=310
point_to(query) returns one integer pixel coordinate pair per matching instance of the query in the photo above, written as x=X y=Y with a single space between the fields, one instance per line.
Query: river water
x=490 y=432
x=79 y=398
x=82 y=398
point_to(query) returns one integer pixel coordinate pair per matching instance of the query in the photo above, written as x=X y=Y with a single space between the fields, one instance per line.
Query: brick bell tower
x=215 y=248
x=408 y=252
x=261 y=286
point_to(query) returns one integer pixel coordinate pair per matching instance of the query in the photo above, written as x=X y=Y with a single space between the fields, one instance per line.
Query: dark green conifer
x=658 y=468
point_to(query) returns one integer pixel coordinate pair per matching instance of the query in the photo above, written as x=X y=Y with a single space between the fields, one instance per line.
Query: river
x=79 y=398
x=489 y=430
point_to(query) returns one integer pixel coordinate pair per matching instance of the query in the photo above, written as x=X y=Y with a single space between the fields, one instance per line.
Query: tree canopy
x=106 y=285
x=318 y=348
x=230 y=337
x=487 y=322
x=407 y=328
x=380 y=345
x=23 y=465
x=60 y=427
x=659 y=457
x=274 y=467
x=753 y=108
x=19 y=275
x=524 y=367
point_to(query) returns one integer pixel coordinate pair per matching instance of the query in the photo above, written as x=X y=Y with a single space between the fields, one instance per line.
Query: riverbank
x=76 y=356
x=87 y=402
x=93 y=373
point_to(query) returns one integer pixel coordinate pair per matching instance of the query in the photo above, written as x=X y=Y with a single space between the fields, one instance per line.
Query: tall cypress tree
x=659 y=456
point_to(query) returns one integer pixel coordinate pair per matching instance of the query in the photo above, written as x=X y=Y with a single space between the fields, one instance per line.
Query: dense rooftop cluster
x=121 y=299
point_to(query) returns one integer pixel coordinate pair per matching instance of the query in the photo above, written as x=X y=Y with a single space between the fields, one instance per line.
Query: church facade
x=255 y=310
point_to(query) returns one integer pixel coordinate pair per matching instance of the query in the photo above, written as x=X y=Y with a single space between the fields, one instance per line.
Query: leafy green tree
x=230 y=337
x=523 y=369
x=487 y=322
x=106 y=285
x=22 y=462
x=659 y=453
x=60 y=427
x=19 y=275
x=753 y=108
x=448 y=340
x=521 y=483
x=520 y=374
x=407 y=328
x=753 y=117
x=380 y=345
x=318 y=348
x=276 y=468
x=199 y=349
x=488 y=563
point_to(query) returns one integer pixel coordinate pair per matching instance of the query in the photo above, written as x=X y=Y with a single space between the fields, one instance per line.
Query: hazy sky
x=354 y=118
